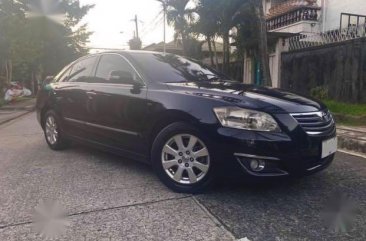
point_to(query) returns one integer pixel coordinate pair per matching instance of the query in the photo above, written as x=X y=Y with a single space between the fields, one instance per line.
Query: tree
x=252 y=34
x=179 y=15
x=219 y=18
x=263 y=43
x=11 y=19
x=35 y=43
x=218 y=14
x=207 y=25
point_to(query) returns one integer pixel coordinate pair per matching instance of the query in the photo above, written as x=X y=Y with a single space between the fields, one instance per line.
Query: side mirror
x=48 y=80
x=122 y=77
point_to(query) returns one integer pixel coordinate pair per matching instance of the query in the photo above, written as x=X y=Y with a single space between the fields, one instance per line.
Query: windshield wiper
x=214 y=78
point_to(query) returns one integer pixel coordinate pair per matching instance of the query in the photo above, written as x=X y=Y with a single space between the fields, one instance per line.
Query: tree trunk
x=226 y=53
x=210 y=50
x=7 y=72
x=184 y=44
x=263 y=45
x=10 y=71
x=223 y=57
x=215 y=52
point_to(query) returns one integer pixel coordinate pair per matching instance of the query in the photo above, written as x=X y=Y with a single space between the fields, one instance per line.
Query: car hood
x=269 y=100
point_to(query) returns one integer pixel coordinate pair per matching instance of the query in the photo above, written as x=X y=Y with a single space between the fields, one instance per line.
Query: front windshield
x=171 y=68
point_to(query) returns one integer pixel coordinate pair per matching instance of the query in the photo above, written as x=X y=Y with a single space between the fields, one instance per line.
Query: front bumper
x=276 y=168
x=292 y=153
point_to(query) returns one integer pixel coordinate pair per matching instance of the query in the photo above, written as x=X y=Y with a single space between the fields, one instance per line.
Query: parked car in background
x=188 y=121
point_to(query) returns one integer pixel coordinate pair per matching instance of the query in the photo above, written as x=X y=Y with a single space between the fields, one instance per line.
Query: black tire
x=156 y=155
x=61 y=142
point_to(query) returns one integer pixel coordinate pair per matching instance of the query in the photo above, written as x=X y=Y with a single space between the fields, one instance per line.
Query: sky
x=111 y=17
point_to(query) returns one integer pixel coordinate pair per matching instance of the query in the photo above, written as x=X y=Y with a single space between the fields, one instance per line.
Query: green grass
x=2 y=102
x=345 y=108
x=18 y=99
x=347 y=114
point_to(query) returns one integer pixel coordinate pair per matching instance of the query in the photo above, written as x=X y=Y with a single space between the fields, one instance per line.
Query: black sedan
x=187 y=120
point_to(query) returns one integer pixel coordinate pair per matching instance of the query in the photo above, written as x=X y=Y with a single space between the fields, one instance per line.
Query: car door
x=72 y=98
x=119 y=104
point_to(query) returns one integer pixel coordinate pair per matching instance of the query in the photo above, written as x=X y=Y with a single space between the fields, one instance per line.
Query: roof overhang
x=277 y=35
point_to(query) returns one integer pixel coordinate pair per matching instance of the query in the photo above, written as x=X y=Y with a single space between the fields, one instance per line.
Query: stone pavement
x=111 y=198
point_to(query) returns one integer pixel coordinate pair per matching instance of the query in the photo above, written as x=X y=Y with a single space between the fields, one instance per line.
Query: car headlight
x=239 y=118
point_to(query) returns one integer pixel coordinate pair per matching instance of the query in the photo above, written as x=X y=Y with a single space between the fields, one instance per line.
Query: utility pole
x=137 y=26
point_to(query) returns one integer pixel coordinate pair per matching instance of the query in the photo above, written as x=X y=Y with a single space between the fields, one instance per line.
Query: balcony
x=293 y=16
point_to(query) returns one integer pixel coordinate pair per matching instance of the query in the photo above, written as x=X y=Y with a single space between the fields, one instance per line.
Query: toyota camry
x=190 y=122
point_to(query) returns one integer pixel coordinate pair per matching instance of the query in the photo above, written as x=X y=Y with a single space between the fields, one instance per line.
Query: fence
x=339 y=68
x=308 y=40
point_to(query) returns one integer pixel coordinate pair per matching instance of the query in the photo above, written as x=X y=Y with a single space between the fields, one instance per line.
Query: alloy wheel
x=51 y=130
x=185 y=158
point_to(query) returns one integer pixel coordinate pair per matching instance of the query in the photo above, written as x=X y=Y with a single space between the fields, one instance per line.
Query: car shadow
x=110 y=159
x=221 y=184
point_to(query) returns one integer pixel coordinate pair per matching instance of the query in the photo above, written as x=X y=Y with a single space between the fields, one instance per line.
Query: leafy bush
x=320 y=92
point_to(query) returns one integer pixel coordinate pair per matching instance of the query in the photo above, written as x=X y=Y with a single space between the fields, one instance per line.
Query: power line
x=152 y=27
x=153 y=24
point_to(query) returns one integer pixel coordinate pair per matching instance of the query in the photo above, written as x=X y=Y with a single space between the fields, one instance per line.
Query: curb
x=352 y=139
x=352 y=153
x=16 y=117
x=352 y=144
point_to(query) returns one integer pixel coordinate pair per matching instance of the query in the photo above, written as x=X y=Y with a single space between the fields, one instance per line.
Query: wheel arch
x=44 y=110
x=167 y=118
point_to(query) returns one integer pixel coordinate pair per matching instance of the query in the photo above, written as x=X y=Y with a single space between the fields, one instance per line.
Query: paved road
x=14 y=110
x=108 y=198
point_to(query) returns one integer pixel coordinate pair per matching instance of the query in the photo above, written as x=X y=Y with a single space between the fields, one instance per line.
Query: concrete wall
x=275 y=60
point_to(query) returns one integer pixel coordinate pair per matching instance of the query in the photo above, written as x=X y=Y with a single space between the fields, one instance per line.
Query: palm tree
x=206 y=25
x=225 y=10
x=245 y=14
x=179 y=16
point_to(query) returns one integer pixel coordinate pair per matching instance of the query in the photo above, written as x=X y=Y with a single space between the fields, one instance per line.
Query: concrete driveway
x=108 y=198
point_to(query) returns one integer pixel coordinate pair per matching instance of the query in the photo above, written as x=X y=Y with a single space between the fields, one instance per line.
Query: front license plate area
x=329 y=147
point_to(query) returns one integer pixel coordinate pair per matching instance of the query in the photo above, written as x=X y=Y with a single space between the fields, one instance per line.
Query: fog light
x=257 y=165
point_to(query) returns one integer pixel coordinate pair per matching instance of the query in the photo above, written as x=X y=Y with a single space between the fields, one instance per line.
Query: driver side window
x=115 y=70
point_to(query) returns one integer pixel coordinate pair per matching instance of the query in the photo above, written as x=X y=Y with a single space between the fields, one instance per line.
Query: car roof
x=125 y=52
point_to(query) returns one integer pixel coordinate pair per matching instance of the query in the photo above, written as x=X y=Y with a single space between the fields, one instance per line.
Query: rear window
x=172 y=68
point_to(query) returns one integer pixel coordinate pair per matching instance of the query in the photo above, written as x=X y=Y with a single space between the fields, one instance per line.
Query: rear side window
x=82 y=70
x=110 y=64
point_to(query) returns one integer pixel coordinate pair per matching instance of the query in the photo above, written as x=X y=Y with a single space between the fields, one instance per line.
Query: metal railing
x=293 y=16
x=308 y=40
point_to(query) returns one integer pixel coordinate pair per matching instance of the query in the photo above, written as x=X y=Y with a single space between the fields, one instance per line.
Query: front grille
x=315 y=123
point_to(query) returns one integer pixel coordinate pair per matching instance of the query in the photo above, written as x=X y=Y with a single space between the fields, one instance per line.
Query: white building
x=287 y=18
